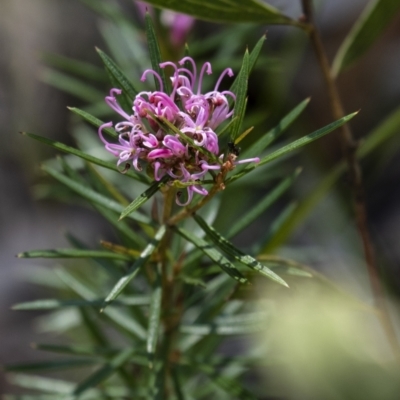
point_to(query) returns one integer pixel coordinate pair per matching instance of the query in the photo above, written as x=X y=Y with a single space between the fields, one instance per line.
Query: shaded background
x=28 y=29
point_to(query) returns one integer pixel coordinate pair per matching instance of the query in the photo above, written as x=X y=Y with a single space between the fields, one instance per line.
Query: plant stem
x=349 y=147
x=167 y=306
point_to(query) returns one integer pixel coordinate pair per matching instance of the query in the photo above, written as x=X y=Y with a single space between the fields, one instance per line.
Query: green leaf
x=252 y=62
x=144 y=257
x=239 y=324
x=121 y=319
x=288 y=267
x=229 y=248
x=94 y=197
x=307 y=139
x=265 y=140
x=375 y=18
x=241 y=97
x=51 y=304
x=71 y=85
x=146 y=195
x=227 y=11
x=154 y=318
x=119 y=76
x=155 y=54
x=73 y=253
x=213 y=254
x=241 y=223
x=58 y=389
x=104 y=372
x=77 y=350
x=295 y=145
x=93 y=120
x=35 y=382
x=112 y=269
x=50 y=365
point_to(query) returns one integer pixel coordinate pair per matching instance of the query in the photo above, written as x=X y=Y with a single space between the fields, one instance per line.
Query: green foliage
x=223 y=11
x=241 y=96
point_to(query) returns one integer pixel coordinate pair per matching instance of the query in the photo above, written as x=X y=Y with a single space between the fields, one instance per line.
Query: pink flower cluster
x=143 y=136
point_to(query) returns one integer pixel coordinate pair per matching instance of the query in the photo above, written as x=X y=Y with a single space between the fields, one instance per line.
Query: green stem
x=167 y=278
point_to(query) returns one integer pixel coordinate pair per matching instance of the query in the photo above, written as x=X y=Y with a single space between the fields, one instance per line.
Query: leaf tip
x=33 y=346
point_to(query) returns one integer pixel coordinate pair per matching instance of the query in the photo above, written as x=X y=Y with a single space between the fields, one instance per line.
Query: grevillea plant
x=153 y=309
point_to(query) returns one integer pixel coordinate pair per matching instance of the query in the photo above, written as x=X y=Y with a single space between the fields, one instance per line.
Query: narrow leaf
x=51 y=304
x=154 y=318
x=146 y=195
x=144 y=257
x=252 y=61
x=73 y=253
x=93 y=121
x=229 y=248
x=375 y=18
x=241 y=96
x=295 y=145
x=155 y=54
x=307 y=139
x=265 y=140
x=105 y=372
x=213 y=254
x=121 y=319
x=35 y=382
x=57 y=389
x=119 y=76
x=77 y=350
x=224 y=329
x=227 y=11
x=94 y=197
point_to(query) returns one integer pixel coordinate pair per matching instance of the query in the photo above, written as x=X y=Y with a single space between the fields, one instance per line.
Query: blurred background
x=30 y=31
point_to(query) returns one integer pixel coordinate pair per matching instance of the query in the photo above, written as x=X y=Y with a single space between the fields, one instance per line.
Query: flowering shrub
x=192 y=149
x=173 y=285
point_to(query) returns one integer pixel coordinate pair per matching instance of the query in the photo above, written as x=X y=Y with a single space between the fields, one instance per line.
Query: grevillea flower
x=174 y=134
